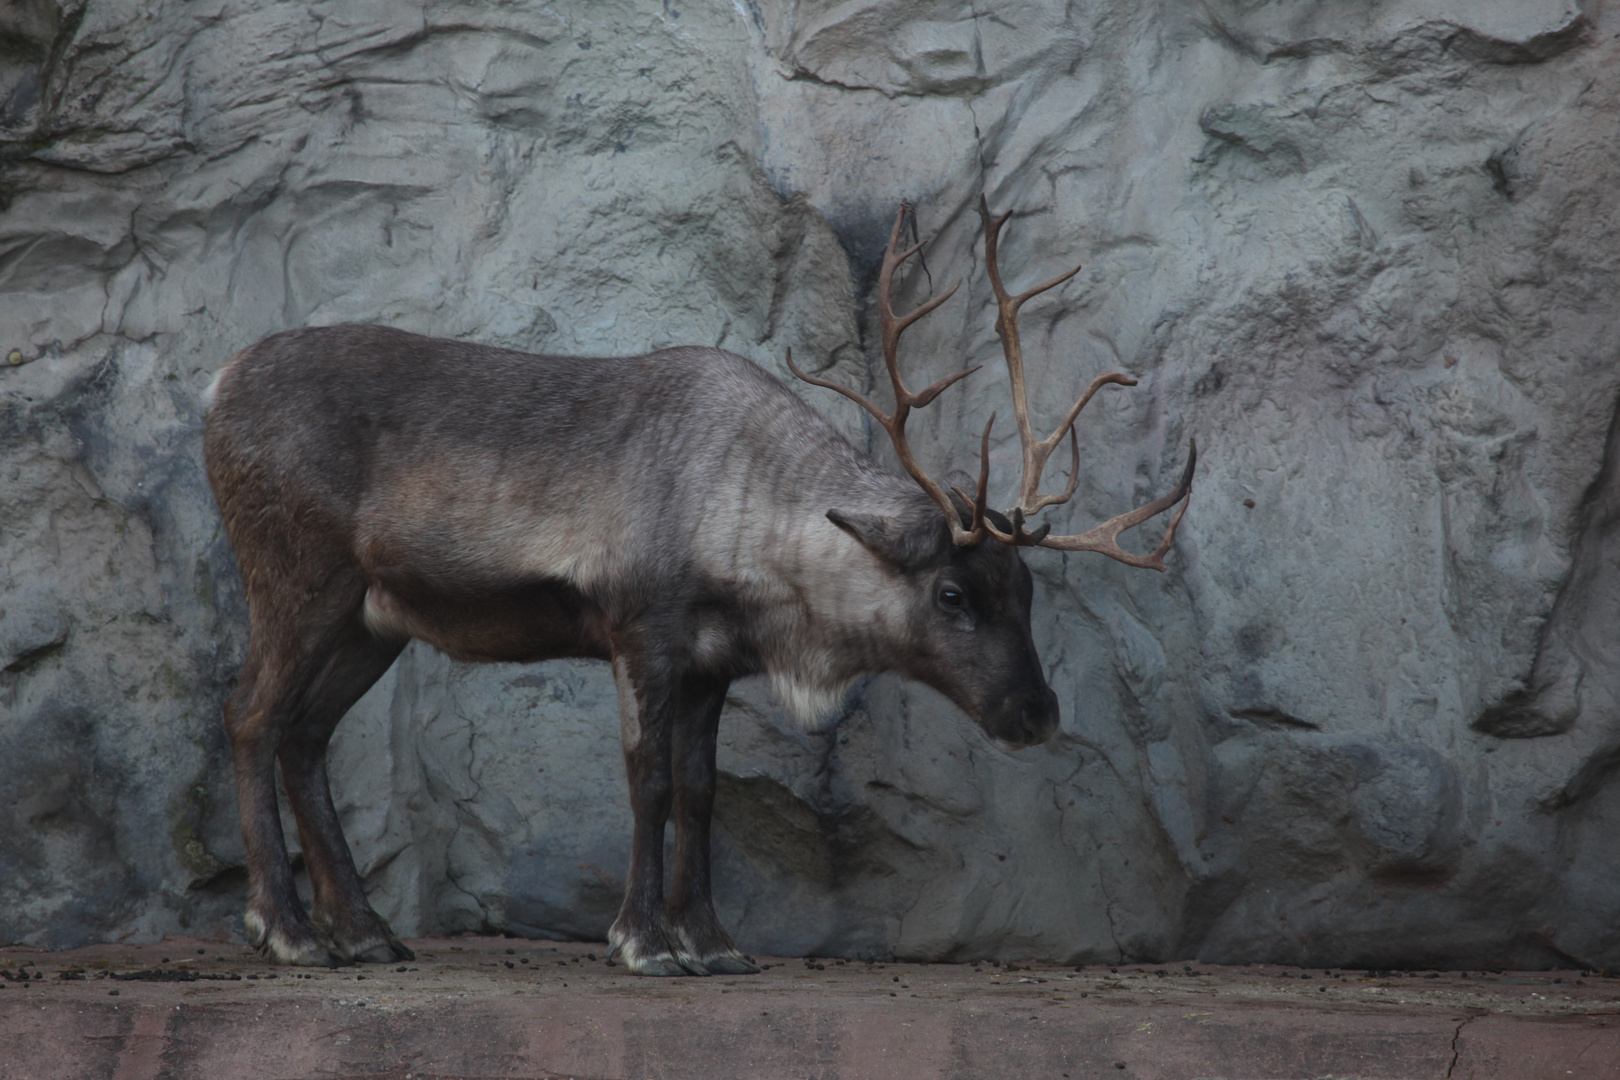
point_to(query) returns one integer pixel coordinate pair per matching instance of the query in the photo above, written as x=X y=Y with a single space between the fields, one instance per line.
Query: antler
x=1103 y=538
x=904 y=400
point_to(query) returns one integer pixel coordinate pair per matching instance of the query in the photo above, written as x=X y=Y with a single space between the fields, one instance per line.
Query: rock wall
x=1366 y=254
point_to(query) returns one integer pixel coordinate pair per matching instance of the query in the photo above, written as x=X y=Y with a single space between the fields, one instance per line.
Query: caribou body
x=680 y=515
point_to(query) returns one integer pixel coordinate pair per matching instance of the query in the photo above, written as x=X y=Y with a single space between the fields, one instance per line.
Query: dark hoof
x=316 y=956
x=391 y=951
x=729 y=964
x=643 y=957
x=707 y=950
x=364 y=937
x=296 y=945
x=661 y=966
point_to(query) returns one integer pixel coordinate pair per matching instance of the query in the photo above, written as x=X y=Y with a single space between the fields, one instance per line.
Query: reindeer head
x=971 y=608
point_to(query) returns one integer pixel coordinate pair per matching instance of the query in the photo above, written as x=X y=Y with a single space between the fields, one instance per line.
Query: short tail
x=211 y=391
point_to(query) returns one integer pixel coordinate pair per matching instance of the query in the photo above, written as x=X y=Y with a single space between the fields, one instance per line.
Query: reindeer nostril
x=1029 y=719
x=1040 y=720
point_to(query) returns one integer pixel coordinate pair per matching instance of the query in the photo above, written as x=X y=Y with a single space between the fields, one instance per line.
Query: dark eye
x=951 y=597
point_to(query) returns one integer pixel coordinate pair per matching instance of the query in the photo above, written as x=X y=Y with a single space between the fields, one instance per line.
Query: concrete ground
x=492 y=1007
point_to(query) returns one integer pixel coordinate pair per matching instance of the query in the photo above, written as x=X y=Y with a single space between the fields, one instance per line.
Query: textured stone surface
x=1367 y=254
x=496 y=1007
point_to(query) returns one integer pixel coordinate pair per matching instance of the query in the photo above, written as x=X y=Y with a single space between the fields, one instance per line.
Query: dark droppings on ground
x=529 y=962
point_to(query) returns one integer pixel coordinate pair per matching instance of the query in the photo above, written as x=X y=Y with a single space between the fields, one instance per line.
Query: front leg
x=703 y=944
x=641 y=936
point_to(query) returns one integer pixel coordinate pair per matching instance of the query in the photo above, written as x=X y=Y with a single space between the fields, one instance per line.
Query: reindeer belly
x=520 y=622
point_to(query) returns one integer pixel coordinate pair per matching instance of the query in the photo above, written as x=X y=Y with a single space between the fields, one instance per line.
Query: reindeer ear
x=906 y=544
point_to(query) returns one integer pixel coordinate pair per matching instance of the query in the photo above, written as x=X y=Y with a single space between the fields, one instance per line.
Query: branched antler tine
x=978 y=499
x=1022 y=536
x=1007 y=330
x=859 y=399
x=1030 y=294
x=886 y=271
x=984 y=209
x=992 y=233
x=1067 y=423
x=1043 y=501
x=921 y=399
x=1185 y=485
x=904 y=321
x=979 y=492
x=891 y=328
x=906 y=254
x=1170 y=533
x=959 y=536
x=1103 y=538
x=1036 y=454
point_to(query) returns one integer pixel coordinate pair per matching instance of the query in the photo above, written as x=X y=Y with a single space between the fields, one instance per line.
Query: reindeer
x=680 y=515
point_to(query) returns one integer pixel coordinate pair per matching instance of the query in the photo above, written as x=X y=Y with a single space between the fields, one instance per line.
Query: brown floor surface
x=491 y=1007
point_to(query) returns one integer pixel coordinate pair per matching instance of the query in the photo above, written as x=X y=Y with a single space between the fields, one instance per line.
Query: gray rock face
x=1366 y=254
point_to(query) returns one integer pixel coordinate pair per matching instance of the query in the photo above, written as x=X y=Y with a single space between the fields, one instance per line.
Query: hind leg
x=341 y=912
x=256 y=719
